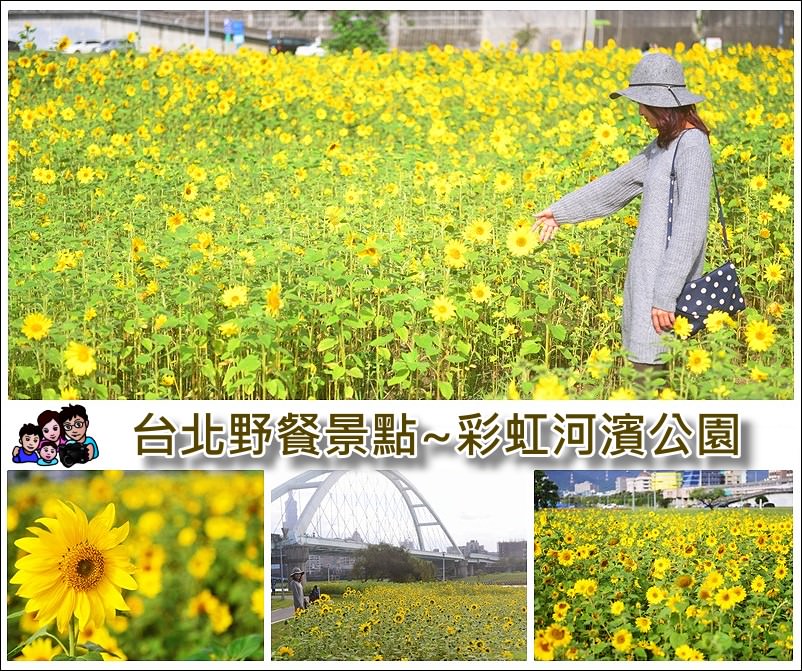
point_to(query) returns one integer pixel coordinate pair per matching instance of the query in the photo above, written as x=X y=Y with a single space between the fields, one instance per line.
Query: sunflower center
x=82 y=566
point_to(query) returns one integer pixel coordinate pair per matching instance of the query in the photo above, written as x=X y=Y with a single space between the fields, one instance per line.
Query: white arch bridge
x=321 y=518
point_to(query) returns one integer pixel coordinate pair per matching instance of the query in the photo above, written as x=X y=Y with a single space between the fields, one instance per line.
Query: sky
x=475 y=500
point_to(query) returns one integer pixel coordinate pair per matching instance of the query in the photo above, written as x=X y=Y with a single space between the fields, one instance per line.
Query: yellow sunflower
x=235 y=296
x=36 y=326
x=74 y=567
x=443 y=309
x=273 y=300
x=80 y=359
x=521 y=241
x=39 y=650
x=759 y=335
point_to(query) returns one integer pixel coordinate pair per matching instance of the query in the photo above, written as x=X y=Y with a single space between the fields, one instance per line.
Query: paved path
x=281 y=614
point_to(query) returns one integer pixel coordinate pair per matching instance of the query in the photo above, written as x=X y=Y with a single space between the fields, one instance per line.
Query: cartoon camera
x=72 y=453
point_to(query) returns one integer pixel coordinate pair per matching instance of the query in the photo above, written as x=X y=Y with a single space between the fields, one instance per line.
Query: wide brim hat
x=297 y=571
x=658 y=81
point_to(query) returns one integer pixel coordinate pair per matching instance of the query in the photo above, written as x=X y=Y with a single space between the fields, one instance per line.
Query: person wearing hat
x=297 y=588
x=656 y=273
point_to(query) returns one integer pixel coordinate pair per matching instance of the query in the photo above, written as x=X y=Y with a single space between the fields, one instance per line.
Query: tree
x=709 y=497
x=546 y=493
x=358 y=29
x=350 y=29
x=387 y=562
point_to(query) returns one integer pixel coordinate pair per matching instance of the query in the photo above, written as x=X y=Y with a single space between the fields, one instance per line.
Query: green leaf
x=242 y=648
x=557 y=331
x=326 y=343
x=446 y=390
x=250 y=363
x=512 y=306
x=26 y=373
x=544 y=305
x=530 y=347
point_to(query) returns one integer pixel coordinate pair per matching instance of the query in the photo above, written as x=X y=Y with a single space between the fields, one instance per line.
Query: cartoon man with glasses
x=75 y=423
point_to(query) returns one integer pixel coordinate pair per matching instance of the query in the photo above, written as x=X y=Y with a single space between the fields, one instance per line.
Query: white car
x=82 y=47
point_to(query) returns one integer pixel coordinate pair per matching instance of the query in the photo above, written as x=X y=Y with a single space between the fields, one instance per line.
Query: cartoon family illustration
x=57 y=437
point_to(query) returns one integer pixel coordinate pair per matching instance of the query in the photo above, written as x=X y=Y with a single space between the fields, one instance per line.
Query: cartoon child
x=48 y=453
x=49 y=422
x=75 y=422
x=29 y=437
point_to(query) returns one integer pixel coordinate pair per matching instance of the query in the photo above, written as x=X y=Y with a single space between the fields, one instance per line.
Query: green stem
x=72 y=637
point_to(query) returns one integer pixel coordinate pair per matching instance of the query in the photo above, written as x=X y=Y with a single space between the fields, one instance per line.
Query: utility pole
x=444 y=567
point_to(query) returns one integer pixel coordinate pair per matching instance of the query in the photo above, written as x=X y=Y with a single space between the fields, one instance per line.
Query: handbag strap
x=671 y=199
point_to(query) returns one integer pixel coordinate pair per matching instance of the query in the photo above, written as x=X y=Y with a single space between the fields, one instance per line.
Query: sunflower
x=717 y=320
x=454 y=254
x=698 y=361
x=36 y=326
x=481 y=293
x=622 y=640
x=521 y=241
x=235 y=296
x=682 y=327
x=759 y=335
x=774 y=273
x=39 y=650
x=443 y=309
x=479 y=231
x=80 y=359
x=74 y=567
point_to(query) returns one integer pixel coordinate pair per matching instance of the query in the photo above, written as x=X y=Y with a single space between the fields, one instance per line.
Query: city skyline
x=605 y=480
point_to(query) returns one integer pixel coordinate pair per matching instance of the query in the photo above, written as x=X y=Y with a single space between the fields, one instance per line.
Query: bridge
x=322 y=518
x=745 y=493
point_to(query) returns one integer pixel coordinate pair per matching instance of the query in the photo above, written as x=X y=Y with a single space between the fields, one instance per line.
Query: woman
x=50 y=424
x=655 y=273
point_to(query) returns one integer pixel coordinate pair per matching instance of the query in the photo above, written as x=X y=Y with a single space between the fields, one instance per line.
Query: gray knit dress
x=655 y=275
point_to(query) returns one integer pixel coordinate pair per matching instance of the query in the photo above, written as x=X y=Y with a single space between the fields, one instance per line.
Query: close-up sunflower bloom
x=74 y=567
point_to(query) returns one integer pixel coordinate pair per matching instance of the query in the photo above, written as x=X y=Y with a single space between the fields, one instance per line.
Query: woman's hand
x=662 y=320
x=545 y=222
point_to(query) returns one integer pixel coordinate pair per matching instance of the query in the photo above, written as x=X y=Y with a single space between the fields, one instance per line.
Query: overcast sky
x=475 y=500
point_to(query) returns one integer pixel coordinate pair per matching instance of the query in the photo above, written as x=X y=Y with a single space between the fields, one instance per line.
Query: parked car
x=115 y=45
x=82 y=47
x=287 y=44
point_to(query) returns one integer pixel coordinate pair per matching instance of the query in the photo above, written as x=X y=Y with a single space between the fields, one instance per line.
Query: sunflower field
x=153 y=566
x=258 y=225
x=414 y=621
x=686 y=585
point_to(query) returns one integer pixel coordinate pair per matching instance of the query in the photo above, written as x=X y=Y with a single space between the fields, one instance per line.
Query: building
x=621 y=483
x=472 y=547
x=783 y=475
x=734 y=477
x=515 y=550
x=584 y=488
x=665 y=480
x=702 y=478
x=640 y=483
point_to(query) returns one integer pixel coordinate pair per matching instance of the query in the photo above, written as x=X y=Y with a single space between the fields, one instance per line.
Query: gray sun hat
x=296 y=571
x=659 y=81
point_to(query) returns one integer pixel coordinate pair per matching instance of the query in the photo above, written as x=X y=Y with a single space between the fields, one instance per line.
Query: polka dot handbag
x=719 y=289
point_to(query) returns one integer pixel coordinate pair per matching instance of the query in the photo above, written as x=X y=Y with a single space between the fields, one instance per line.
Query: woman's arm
x=603 y=196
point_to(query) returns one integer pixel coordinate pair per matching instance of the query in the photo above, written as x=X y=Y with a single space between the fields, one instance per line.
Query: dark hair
x=45 y=443
x=73 y=411
x=46 y=417
x=671 y=121
x=30 y=430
